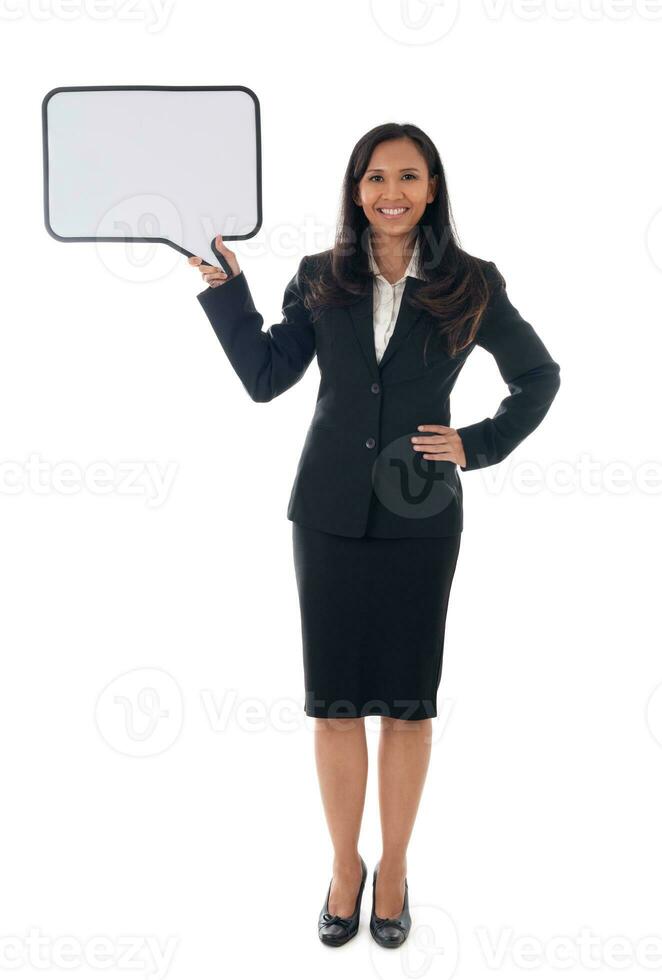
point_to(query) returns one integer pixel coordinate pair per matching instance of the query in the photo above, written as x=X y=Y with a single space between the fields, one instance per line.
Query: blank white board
x=171 y=164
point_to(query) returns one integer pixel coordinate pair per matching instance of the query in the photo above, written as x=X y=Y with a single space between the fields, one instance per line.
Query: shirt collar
x=413 y=269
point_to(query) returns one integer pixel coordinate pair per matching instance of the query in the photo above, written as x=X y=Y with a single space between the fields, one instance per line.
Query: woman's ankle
x=393 y=864
x=346 y=863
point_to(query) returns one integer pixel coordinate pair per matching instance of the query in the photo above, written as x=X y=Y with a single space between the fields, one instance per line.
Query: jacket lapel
x=361 y=313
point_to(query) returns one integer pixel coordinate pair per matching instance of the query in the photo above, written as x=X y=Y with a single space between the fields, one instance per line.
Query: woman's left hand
x=213 y=275
x=444 y=444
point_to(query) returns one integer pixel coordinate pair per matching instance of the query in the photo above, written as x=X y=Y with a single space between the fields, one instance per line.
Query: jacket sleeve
x=267 y=362
x=533 y=380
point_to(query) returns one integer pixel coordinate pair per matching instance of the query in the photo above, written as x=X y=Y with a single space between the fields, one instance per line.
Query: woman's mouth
x=391 y=213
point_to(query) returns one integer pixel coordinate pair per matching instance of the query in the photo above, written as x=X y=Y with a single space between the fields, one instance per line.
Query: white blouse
x=387 y=298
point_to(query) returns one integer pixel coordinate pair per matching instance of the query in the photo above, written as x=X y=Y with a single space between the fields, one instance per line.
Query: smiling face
x=396 y=188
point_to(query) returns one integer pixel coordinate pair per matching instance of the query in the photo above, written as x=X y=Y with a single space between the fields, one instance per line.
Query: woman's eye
x=379 y=176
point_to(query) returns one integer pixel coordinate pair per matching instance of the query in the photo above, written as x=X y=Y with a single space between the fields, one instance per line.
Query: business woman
x=392 y=311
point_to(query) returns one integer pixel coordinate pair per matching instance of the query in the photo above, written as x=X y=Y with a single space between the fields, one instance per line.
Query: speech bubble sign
x=153 y=163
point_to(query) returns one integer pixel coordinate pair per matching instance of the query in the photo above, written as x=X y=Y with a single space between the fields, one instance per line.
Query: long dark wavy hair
x=458 y=285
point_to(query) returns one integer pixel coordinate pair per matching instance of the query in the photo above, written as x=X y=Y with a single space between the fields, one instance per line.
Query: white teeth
x=392 y=210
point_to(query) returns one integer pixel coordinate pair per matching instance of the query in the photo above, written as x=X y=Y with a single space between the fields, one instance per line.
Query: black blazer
x=358 y=472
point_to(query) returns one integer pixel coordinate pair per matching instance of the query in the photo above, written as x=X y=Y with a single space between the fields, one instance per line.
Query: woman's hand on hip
x=213 y=275
x=443 y=443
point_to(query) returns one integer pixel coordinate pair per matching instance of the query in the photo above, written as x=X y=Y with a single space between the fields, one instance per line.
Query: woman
x=392 y=312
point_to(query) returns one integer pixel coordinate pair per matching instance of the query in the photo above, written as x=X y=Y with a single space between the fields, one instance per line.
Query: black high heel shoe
x=390 y=932
x=334 y=930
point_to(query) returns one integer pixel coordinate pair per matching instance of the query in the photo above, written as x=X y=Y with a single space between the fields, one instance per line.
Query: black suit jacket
x=358 y=472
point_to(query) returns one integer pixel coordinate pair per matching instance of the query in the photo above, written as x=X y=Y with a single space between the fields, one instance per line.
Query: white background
x=195 y=822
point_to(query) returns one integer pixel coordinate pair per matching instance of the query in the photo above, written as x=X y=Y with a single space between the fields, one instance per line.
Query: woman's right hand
x=213 y=274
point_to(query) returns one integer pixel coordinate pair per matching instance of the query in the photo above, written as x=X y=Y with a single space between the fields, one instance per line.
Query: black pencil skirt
x=373 y=617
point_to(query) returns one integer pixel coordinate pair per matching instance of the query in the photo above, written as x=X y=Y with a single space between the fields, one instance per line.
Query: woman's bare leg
x=341 y=756
x=404 y=755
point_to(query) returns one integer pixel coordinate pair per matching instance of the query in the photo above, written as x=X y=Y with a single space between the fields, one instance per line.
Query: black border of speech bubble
x=151 y=88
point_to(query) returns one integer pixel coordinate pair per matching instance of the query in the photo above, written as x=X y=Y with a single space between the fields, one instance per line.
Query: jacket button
x=370 y=443
x=374 y=387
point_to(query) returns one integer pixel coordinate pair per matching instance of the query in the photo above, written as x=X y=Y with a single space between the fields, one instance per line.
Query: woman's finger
x=436 y=441
x=214 y=275
x=198 y=263
x=227 y=254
